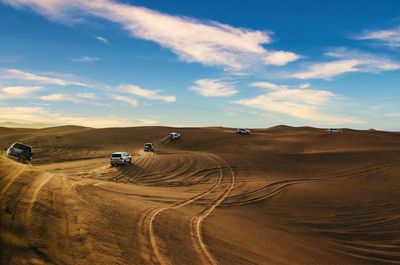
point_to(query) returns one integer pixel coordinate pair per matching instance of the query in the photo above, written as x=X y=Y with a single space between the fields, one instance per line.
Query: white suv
x=242 y=131
x=120 y=158
x=174 y=136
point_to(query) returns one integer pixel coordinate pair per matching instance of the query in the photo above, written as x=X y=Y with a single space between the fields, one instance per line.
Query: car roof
x=22 y=144
x=148 y=143
x=119 y=153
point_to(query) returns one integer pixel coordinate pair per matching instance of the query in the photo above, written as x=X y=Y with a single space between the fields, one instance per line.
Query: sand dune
x=281 y=195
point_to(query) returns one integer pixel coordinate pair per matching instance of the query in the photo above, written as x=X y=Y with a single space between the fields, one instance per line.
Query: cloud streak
x=76 y=98
x=103 y=40
x=210 y=43
x=386 y=37
x=347 y=61
x=18 y=92
x=85 y=59
x=46 y=79
x=306 y=104
x=131 y=101
x=44 y=115
x=146 y=93
x=214 y=88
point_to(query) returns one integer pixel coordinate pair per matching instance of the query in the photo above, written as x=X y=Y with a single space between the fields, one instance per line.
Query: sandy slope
x=281 y=195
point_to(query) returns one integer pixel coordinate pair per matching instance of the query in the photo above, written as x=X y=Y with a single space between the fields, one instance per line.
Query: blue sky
x=201 y=63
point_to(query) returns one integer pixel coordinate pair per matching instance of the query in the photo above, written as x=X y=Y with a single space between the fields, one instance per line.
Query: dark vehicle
x=242 y=131
x=20 y=152
x=149 y=147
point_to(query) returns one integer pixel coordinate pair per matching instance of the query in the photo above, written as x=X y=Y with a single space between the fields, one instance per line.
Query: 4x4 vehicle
x=242 y=131
x=334 y=130
x=20 y=152
x=174 y=136
x=149 y=147
x=120 y=158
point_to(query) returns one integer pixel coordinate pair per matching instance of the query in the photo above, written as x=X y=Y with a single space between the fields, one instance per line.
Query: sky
x=255 y=64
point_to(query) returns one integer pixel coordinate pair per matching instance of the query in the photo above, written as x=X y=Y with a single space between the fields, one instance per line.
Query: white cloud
x=76 y=98
x=16 y=92
x=348 y=61
x=387 y=37
x=281 y=57
x=43 y=115
x=19 y=75
x=85 y=59
x=273 y=86
x=146 y=93
x=210 y=43
x=267 y=85
x=214 y=88
x=130 y=101
x=305 y=85
x=103 y=40
x=307 y=104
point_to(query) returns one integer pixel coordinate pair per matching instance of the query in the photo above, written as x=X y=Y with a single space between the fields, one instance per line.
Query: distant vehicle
x=149 y=147
x=20 y=152
x=242 y=131
x=333 y=130
x=120 y=158
x=174 y=136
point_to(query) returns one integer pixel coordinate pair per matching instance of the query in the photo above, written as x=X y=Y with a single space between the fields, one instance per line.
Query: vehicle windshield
x=148 y=145
x=116 y=155
x=22 y=147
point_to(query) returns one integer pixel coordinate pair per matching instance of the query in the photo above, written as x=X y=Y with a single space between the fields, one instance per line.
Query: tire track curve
x=151 y=215
x=197 y=221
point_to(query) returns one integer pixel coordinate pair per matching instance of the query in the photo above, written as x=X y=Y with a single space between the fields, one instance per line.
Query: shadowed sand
x=281 y=195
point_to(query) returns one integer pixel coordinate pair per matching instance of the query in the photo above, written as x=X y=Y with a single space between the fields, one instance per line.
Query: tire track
x=256 y=195
x=35 y=195
x=197 y=221
x=11 y=181
x=151 y=215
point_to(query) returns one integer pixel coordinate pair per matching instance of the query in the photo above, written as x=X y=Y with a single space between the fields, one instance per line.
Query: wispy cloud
x=269 y=85
x=146 y=93
x=16 y=92
x=386 y=37
x=130 y=101
x=347 y=61
x=46 y=79
x=44 y=115
x=103 y=40
x=307 y=104
x=75 y=98
x=214 y=88
x=210 y=43
x=85 y=59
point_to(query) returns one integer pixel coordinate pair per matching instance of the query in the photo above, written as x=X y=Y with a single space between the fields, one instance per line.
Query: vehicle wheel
x=130 y=161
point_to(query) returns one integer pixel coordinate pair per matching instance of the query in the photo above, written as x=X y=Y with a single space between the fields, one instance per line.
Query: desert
x=282 y=195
